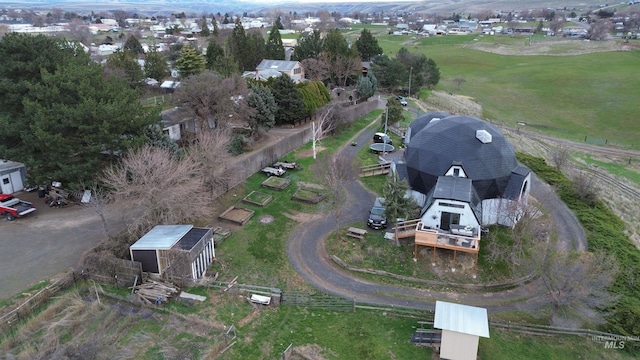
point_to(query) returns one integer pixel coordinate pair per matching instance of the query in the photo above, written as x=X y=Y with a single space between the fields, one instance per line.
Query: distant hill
x=156 y=7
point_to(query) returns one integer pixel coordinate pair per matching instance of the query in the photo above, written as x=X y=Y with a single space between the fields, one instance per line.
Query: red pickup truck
x=12 y=207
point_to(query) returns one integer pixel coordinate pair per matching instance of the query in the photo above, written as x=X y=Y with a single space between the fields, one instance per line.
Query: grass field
x=569 y=96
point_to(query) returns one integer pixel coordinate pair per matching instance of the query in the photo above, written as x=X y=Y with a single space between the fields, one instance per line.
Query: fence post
x=354 y=304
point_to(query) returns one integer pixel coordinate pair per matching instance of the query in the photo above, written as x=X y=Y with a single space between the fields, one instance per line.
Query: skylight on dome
x=483 y=136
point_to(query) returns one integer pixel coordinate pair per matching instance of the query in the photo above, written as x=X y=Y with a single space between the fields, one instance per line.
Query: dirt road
x=45 y=243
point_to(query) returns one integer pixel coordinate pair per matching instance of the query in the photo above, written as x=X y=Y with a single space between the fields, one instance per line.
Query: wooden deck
x=437 y=239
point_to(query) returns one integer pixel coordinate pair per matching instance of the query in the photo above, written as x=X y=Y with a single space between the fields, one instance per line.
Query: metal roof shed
x=12 y=176
x=462 y=326
x=154 y=249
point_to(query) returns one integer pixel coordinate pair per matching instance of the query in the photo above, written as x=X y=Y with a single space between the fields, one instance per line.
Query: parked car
x=382 y=138
x=402 y=100
x=377 y=219
x=12 y=207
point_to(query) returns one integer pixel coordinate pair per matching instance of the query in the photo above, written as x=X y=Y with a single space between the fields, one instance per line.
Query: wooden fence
x=317 y=300
x=9 y=319
x=375 y=169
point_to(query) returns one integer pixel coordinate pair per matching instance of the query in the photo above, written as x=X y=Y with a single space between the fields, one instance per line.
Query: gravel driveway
x=46 y=243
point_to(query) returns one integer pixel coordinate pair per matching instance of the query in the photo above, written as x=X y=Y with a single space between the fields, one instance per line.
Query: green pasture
x=569 y=96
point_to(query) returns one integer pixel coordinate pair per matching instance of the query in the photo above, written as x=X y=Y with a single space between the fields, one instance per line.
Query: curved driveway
x=306 y=252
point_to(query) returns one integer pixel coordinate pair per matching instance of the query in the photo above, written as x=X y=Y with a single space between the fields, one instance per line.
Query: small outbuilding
x=462 y=326
x=187 y=249
x=12 y=176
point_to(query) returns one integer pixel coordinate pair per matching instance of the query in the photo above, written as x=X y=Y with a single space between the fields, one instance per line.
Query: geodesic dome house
x=465 y=170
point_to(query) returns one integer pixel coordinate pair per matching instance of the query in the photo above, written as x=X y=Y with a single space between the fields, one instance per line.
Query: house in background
x=12 y=176
x=462 y=326
x=292 y=68
x=185 y=249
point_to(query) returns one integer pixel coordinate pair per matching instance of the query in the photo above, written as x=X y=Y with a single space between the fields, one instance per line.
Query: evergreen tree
x=278 y=23
x=69 y=120
x=239 y=47
x=155 y=137
x=395 y=112
x=214 y=22
x=204 y=28
x=214 y=54
x=123 y=64
x=190 y=62
x=365 y=87
x=275 y=49
x=314 y=95
x=133 y=45
x=155 y=65
x=257 y=49
x=263 y=101
x=367 y=45
x=397 y=204
x=309 y=47
x=335 y=44
x=290 y=103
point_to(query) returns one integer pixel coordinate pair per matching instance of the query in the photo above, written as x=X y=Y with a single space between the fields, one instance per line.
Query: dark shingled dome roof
x=452 y=141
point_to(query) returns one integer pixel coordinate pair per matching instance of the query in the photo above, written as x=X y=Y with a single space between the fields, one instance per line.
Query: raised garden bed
x=276 y=183
x=309 y=195
x=237 y=215
x=258 y=198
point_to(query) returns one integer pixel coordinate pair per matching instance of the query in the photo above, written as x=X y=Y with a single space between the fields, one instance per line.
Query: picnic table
x=356 y=233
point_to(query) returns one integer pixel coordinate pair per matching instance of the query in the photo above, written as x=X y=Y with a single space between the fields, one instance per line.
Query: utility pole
x=410 y=73
x=386 y=119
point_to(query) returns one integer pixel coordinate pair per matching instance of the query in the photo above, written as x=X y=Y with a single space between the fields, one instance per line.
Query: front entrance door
x=447 y=219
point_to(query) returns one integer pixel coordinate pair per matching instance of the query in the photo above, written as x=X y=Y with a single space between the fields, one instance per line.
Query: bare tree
x=79 y=31
x=530 y=226
x=560 y=157
x=315 y=69
x=600 y=29
x=214 y=101
x=576 y=283
x=346 y=66
x=584 y=187
x=57 y=14
x=4 y=29
x=159 y=188
x=330 y=118
x=211 y=152
x=98 y=202
x=459 y=81
x=337 y=172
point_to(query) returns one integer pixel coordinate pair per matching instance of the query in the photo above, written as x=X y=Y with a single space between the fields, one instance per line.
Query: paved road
x=306 y=252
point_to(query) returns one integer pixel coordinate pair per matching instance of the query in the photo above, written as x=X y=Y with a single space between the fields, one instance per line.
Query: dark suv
x=377 y=219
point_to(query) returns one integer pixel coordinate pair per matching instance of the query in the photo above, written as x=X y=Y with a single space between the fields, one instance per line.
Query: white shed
x=462 y=326
x=12 y=176
x=156 y=249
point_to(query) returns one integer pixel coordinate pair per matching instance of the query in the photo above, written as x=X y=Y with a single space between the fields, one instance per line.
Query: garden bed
x=237 y=215
x=309 y=195
x=257 y=198
x=276 y=183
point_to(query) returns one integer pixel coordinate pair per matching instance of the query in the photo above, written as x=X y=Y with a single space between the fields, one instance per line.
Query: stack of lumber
x=155 y=292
